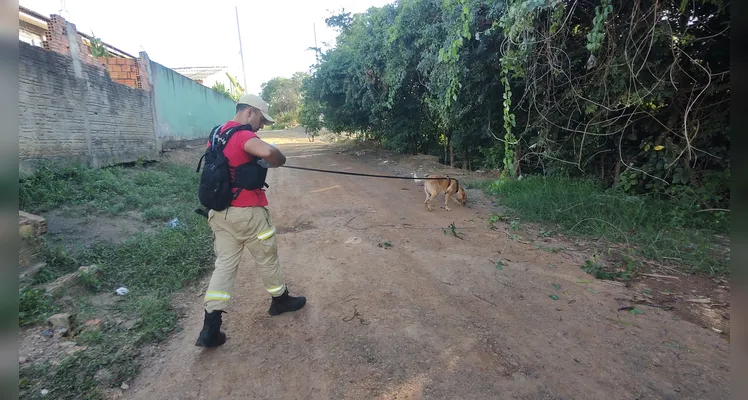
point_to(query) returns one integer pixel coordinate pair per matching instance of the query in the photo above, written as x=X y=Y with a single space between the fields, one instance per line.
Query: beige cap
x=257 y=102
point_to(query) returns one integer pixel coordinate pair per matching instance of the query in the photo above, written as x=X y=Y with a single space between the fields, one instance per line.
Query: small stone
x=125 y=386
x=129 y=324
x=61 y=284
x=45 y=392
x=60 y=333
x=91 y=270
x=656 y=362
x=93 y=323
x=75 y=349
x=61 y=321
x=22 y=360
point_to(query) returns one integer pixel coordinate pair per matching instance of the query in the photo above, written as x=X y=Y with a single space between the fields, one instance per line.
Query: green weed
x=656 y=228
x=152 y=265
x=598 y=269
x=33 y=307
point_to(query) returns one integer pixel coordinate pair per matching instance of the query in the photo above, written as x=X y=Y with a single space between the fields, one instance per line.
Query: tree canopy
x=284 y=97
x=633 y=93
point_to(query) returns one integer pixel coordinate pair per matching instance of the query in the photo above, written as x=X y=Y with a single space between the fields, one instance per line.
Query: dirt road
x=430 y=317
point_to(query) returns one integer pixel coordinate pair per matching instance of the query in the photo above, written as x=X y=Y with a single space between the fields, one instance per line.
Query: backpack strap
x=223 y=140
x=210 y=140
x=213 y=133
x=220 y=140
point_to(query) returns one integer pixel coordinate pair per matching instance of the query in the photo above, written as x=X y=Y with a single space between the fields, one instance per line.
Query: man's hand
x=266 y=164
x=260 y=149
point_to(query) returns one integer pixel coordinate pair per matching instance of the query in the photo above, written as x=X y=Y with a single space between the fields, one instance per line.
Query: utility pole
x=241 y=53
x=316 y=49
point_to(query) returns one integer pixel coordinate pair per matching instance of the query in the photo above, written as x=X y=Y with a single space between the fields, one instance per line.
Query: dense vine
x=635 y=94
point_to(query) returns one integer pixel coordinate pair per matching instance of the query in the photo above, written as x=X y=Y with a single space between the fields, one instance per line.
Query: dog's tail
x=418 y=182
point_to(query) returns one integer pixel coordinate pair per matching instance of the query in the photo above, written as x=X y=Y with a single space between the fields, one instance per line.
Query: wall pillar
x=146 y=83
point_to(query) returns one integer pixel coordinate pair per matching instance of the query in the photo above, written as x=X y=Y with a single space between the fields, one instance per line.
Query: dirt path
x=430 y=317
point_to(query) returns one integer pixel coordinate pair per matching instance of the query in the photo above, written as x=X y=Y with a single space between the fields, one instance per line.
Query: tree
x=284 y=97
x=97 y=47
x=635 y=94
x=221 y=88
x=235 y=90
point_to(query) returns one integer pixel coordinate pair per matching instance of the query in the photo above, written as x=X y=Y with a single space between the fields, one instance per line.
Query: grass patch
x=109 y=190
x=655 y=228
x=59 y=260
x=152 y=265
x=34 y=306
x=597 y=269
x=106 y=363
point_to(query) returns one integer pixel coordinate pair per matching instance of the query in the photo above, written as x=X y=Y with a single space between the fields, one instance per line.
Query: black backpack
x=215 y=190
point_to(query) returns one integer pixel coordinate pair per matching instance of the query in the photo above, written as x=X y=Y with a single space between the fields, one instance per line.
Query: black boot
x=211 y=335
x=286 y=302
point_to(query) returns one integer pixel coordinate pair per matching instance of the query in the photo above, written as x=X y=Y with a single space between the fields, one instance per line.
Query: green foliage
x=152 y=265
x=310 y=116
x=33 y=306
x=596 y=268
x=79 y=376
x=509 y=122
x=221 y=88
x=284 y=97
x=636 y=95
x=59 y=261
x=97 y=47
x=597 y=34
x=111 y=190
x=650 y=226
x=234 y=91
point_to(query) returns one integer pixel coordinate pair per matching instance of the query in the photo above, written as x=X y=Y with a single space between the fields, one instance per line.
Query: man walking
x=245 y=224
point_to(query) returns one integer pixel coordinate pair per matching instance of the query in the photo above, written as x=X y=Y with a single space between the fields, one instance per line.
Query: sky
x=190 y=33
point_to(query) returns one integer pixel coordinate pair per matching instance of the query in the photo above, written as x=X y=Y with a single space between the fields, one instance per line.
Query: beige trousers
x=235 y=229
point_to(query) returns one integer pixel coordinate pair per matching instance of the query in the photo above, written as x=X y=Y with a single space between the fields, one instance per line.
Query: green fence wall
x=185 y=110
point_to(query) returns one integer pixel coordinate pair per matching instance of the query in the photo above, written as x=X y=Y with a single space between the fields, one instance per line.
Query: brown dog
x=449 y=186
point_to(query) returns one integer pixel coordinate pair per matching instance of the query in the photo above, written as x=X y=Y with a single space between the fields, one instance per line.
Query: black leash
x=204 y=212
x=327 y=171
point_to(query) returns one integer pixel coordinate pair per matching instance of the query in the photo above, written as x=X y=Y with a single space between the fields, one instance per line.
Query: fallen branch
x=662 y=276
x=481 y=298
x=656 y=264
x=701 y=301
x=502 y=282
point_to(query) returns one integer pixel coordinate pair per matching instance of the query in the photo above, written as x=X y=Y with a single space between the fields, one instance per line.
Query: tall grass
x=658 y=229
x=152 y=266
